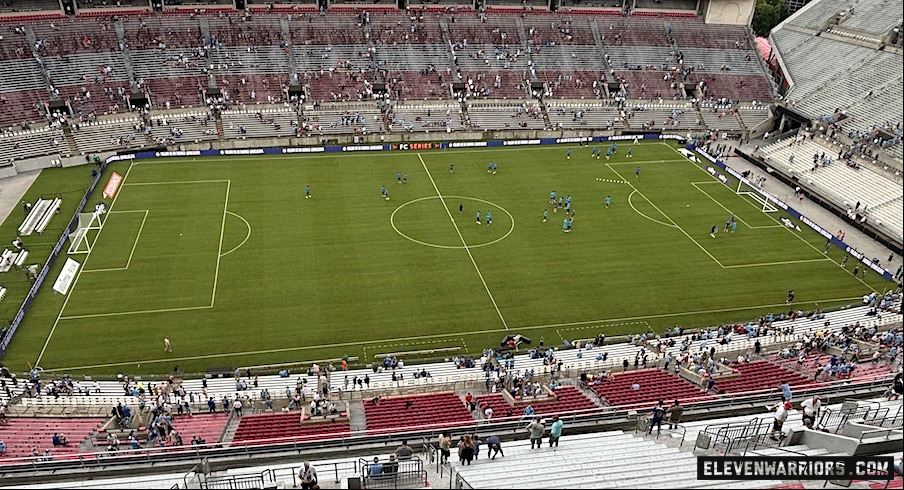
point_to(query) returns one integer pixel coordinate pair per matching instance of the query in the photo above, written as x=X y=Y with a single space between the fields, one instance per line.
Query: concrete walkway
x=11 y=191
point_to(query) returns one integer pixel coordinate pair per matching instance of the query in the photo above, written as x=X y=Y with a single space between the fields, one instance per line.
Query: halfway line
x=467 y=249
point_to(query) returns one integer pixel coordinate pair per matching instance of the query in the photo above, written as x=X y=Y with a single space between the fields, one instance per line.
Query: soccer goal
x=82 y=239
x=765 y=205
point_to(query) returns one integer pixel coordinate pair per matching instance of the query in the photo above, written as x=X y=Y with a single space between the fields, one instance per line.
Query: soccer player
x=568 y=154
x=637 y=171
x=166 y=345
x=565 y=225
x=405 y=178
x=712 y=232
x=630 y=149
x=593 y=151
x=734 y=226
x=552 y=197
x=494 y=168
x=608 y=201
x=790 y=297
x=545 y=214
x=489 y=218
x=560 y=201
x=451 y=168
x=635 y=140
x=727 y=225
x=387 y=194
x=461 y=207
x=398 y=178
x=614 y=148
x=568 y=200
x=608 y=153
x=382 y=191
x=844 y=262
x=478 y=217
x=307 y=191
x=489 y=167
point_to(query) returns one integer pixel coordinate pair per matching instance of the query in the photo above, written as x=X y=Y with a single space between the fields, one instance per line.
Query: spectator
x=307 y=475
x=657 y=414
x=811 y=408
x=375 y=468
x=392 y=466
x=535 y=429
x=59 y=440
x=781 y=414
x=466 y=450
x=555 y=431
x=445 y=446
x=494 y=447
x=404 y=451
x=237 y=406
x=786 y=390
x=674 y=412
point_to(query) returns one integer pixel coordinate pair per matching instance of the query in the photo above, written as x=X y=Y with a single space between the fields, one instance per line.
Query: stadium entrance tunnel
x=425 y=221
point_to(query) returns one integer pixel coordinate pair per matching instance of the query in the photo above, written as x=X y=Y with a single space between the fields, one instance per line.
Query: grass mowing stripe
x=438 y=193
x=216 y=274
x=436 y=336
x=77 y=276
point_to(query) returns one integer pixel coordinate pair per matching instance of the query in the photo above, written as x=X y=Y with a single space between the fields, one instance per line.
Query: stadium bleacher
x=433 y=410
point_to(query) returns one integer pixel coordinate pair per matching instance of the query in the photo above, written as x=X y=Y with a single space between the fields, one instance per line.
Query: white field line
x=216 y=274
x=246 y=236
x=134 y=245
x=467 y=249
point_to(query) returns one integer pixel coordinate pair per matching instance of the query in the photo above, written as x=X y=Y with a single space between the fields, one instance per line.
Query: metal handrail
x=757 y=441
x=887 y=432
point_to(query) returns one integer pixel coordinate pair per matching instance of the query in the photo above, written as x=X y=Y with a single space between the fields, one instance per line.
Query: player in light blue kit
x=608 y=201
x=489 y=218
x=307 y=192
x=568 y=154
x=630 y=149
x=545 y=214
x=478 y=217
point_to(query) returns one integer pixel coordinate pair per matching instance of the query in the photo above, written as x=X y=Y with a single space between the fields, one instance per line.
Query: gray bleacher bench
x=418 y=352
x=39 y=216
x=2 y=293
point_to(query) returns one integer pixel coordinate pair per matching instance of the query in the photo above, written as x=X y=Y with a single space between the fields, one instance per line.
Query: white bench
x=39 y=216
x=9 y=258
x=2 y=293
x=48 y=215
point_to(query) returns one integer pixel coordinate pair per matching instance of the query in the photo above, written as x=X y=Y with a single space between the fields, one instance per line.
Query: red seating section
x=654 y=384
x=431 y=410
x=205 y=426
x=22 y=434
x=285 y=427
x=763 y=377
x=808 y=369
x=570 y=399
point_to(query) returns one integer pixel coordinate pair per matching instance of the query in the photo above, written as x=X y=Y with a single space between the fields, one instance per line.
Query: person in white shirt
x=488 y=413
x=308 y=476
x=781 y=414
x=811 y=408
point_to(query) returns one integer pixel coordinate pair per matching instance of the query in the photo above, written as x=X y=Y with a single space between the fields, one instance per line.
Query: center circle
x=436 y=245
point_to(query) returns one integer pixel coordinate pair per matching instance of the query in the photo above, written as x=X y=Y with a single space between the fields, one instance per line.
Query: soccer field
x=228 y=258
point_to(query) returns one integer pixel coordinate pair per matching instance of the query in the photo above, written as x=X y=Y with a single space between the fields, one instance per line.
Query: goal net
x=763 y=203
x=82 y=239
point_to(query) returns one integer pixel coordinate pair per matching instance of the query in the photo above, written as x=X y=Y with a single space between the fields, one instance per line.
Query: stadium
x=202 y=287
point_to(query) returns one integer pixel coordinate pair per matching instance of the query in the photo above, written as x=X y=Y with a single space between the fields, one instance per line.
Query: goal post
x=82 y=239
x=765 y=205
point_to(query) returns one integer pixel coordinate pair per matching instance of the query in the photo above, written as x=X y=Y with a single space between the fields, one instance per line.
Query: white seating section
x=843 y=185
x=598 y=460
x=580 y=115
x=183 y=127
x=17 y=145
x=426 y=117
x=120 y=133
x=261 y=123
x=509 y=115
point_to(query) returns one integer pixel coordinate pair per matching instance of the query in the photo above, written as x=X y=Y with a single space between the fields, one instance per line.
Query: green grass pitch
x=228 y=258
